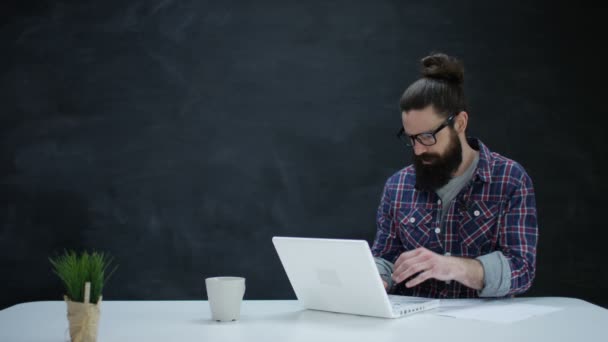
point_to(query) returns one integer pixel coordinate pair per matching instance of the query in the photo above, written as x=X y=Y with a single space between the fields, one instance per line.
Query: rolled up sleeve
x=519 y=236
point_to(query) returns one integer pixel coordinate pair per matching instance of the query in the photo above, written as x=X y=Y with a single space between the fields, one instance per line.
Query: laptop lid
x=334 y=275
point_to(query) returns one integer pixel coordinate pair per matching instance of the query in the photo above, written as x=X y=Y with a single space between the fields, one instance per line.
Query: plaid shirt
x=495 y=211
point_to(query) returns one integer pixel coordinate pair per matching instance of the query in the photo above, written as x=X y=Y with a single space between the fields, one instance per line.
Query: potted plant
x=84 y=276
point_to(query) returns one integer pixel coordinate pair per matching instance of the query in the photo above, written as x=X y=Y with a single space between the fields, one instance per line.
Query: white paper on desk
x=451 y=304
x=499 y=312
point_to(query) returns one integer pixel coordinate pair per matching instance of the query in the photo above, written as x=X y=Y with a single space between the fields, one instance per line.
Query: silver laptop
x=341 y=276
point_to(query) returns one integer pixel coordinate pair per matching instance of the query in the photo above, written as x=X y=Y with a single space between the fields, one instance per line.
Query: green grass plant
x=75 y=270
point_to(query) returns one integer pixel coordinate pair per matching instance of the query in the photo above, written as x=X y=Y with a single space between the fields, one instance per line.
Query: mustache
x=427 y=157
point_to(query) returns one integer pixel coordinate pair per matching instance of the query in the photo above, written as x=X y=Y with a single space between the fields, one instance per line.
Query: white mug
x=225 y=295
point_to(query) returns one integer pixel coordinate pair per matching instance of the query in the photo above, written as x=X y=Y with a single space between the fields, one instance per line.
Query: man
x=461 y=221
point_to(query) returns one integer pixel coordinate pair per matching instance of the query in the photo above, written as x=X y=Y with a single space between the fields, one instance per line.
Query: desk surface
x=276 y=320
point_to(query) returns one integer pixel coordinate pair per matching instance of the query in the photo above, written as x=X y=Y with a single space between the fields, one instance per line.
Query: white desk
x=286 y=321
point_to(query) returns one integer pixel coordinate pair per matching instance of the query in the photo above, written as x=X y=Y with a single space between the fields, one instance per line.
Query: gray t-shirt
x=448 y=192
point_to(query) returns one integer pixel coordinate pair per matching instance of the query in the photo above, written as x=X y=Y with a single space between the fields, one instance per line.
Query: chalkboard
x=180 y=136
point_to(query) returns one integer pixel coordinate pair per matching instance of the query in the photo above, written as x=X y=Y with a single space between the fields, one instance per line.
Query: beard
x=439 y=170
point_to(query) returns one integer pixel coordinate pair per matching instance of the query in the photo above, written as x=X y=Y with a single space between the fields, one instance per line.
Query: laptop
x=341 y=276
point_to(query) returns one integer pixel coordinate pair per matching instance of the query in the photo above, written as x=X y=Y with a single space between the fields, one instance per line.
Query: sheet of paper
x=498 y=312
x=460 y=303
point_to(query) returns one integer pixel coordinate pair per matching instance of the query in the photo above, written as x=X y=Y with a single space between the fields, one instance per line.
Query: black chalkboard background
x=180 y=136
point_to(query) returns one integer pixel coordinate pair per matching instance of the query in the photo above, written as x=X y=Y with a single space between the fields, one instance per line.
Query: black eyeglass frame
x=410 y=140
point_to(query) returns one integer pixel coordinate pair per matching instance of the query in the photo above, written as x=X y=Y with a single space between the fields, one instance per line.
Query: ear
x=460 y=123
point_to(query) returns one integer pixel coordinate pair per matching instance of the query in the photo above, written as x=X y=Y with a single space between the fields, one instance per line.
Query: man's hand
x=426 y=264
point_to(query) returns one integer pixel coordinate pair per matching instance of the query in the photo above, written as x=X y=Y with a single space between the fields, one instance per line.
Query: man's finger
x=406 y=263
x=412 y=270
x=419 y=279
x=407 y=255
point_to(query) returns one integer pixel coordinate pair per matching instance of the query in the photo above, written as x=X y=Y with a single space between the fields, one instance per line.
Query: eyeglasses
x=426 y=138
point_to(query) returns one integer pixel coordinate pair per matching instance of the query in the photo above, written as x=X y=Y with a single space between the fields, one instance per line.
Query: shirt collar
x=483 y=171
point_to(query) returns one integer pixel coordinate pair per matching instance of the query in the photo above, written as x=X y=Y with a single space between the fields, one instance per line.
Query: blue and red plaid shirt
x=495 y=211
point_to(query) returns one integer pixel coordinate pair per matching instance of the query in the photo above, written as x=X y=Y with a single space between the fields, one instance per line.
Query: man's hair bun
x=440 y=66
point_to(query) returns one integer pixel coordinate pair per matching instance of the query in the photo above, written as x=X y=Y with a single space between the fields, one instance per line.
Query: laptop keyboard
x=403 y=305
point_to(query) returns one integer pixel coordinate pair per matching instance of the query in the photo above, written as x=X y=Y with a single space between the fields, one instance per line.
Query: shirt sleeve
x=518 y=235
x=496 y=275
x=387 y=244
x=385 y=268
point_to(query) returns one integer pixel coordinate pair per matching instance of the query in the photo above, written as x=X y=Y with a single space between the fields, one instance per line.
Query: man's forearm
x=469 y=272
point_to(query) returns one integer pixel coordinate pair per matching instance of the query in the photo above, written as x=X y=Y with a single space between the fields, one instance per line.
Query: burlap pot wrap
x=83 y=319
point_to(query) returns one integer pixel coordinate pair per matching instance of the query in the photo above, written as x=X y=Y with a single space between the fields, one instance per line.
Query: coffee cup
x=225 y=295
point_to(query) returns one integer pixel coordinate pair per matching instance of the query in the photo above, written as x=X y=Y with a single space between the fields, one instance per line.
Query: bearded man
x=460 y=222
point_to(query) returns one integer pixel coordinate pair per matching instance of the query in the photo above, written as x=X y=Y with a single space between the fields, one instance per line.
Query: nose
x=419 y=148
